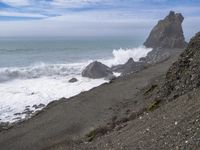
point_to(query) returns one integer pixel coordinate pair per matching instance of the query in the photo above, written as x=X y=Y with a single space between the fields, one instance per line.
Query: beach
x=72 y=119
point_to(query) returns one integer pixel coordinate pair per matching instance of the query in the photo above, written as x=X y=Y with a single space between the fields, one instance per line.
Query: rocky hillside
x=168 y=33
x=162 y=126
x=184 y=74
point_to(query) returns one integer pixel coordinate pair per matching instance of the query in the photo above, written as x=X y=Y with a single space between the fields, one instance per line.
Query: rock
x=17 y=114
x=38 y=106
x=129 y=67
x=27 y=112
x=156 y=56
x=168 y=33
x=72 y=80
x=96 y=70
x=184 y=75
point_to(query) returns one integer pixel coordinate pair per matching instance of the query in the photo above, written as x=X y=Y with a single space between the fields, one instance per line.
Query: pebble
x=176 y=123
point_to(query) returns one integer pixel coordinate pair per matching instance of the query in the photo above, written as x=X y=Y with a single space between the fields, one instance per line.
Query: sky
x=54 y=18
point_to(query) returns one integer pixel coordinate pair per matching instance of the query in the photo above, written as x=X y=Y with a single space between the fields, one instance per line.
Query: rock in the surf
x=72 y=80
x=96 y=70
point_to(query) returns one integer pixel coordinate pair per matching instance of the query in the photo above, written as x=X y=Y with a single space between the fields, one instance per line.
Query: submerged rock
x=129 y=67
x=168 y=33
x=96 y=70
x=184 y=74
x=72 y=80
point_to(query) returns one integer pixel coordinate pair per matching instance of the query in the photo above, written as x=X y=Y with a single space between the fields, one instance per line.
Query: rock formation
x=156 y=56
x=168 y=33
x=129 y=67
x=97 y=70
x=184 y=75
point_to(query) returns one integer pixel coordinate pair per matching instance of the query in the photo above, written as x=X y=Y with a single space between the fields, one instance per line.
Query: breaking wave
x=119 y=56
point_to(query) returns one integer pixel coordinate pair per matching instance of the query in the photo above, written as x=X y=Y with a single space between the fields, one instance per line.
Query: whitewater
x=23 y=87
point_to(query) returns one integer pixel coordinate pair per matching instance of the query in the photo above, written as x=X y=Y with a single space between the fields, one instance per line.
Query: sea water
x=37 y=70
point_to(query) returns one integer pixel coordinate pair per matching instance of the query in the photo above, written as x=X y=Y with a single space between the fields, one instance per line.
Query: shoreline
x=75 y=117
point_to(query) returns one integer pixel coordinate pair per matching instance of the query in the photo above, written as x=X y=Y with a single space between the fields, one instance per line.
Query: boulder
x=96 y=70
x=184 y=75
x=129 y=67
x=72 y=80
x=168 y=33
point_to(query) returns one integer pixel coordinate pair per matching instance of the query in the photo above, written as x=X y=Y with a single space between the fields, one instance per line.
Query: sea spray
x=121 y=56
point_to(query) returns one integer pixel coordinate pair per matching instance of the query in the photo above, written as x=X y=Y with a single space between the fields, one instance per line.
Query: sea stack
x=184 y=75
x=168 y=33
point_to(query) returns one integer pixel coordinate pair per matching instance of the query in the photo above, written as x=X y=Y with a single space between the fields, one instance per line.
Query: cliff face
x=184 y=74
x=168 y=33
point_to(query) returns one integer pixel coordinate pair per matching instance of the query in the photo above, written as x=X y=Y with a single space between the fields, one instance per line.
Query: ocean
x=37 y=70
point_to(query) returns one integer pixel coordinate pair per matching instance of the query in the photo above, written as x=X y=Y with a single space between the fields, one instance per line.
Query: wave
x=121 y=56
x=38 y=70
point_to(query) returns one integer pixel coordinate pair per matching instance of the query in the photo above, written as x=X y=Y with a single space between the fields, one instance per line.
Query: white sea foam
x=18 y=94
x=43 y=83
x=121 y=56
x=40 y=70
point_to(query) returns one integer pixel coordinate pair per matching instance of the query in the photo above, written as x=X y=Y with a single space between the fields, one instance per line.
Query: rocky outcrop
x=97 y=70
x=156 y=56
x=129 y=67
x=184 y=75
x=168 y=33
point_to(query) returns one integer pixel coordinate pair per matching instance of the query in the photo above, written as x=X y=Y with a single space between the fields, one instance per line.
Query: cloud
x=91 y=17
x=18 y=14
x=16 y=2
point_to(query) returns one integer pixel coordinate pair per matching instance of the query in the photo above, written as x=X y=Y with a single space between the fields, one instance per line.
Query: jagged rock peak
x=184 y=75
x=168 y=33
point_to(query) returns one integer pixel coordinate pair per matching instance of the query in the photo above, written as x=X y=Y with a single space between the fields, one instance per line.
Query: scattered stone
x=27 y=112
x=17 y=114
x=176 y=123
x=72 y=80
x=17 y=118
x=96 y=70
x=38 y=106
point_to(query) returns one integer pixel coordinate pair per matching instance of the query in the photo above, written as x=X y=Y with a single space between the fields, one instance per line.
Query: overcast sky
x=92 y=17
